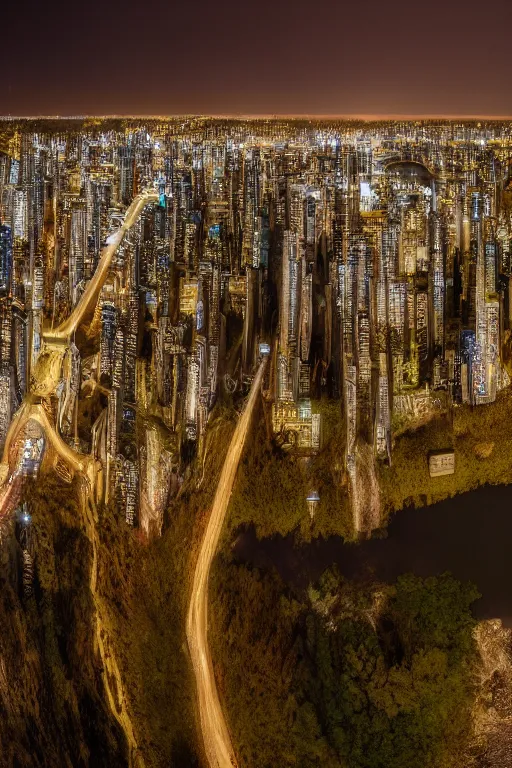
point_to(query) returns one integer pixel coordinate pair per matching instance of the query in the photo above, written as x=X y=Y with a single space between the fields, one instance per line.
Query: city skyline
x=381 y=250
x=299 y=324
x=255 y=384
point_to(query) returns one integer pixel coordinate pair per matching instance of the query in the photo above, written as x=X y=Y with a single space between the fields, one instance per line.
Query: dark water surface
x=469 y=535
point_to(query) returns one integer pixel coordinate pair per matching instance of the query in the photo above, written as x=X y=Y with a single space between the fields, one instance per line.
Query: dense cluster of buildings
x=375 y=260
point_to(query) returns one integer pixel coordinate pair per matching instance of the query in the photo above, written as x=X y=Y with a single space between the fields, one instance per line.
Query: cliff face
x=52 y=704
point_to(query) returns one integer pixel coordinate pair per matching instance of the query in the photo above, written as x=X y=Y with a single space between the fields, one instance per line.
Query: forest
x=346 y=675
x=357 y=676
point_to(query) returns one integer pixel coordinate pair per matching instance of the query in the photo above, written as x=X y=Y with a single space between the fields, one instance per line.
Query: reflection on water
x=469 y=535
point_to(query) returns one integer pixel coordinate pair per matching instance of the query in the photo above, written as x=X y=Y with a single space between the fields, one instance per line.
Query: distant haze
x=370 y=60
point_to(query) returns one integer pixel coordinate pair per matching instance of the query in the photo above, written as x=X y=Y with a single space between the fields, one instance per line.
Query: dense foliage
x=53 y=705
x=482 y=442
x=352 y=677
x=272 y=484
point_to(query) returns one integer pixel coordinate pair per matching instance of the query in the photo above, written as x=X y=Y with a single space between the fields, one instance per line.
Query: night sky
x=323 y=57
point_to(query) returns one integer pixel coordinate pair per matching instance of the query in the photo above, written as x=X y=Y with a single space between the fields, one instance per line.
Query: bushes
x=408 y=479
x=272 y=485
x=356 y=677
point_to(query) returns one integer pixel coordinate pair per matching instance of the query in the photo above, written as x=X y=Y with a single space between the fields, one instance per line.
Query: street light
x=312 y=499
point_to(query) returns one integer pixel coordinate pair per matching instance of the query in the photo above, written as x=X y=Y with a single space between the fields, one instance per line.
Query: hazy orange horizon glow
x=333 y=60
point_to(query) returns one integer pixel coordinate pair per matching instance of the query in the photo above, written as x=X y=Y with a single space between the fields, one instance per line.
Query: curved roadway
x=91 y=293
x=217 y=741
x=45 y=379
x=29 y=409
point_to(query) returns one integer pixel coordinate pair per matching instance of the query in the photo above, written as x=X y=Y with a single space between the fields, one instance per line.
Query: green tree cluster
x=348 y=676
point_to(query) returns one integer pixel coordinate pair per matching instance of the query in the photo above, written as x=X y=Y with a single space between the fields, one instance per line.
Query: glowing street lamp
x=312 y=499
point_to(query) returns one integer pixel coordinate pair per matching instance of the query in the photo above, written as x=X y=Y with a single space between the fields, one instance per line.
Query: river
x=469 y=535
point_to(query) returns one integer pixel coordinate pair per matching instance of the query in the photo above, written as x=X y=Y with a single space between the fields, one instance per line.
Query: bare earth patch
x=483 y=450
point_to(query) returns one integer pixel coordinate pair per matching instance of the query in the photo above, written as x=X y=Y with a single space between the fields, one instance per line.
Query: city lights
x=332 y=284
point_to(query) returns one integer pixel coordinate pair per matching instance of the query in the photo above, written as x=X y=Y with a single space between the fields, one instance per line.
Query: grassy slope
x=272 y=485
x=147 y=590
x=53 y=709
x=408 y=481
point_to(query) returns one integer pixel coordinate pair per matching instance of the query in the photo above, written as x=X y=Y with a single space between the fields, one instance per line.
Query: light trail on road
x=217 y=741
x=46 y=376
x=91 y=293
x=44 y=382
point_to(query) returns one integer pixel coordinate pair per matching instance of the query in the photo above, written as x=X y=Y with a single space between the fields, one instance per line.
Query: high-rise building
x=5 y=258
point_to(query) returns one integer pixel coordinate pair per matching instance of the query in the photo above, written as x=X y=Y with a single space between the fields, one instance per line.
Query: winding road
x=90 y=296
x=217 y=741
x=45 y=379
x=47 y=371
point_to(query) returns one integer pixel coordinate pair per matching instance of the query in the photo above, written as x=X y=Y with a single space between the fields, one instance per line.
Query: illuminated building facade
x=374 y=263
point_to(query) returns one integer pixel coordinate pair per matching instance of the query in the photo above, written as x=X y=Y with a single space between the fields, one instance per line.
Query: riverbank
x=481 y=438
x=290 y=691
x=468 y=535
x=280 y=670
x=272 y=485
